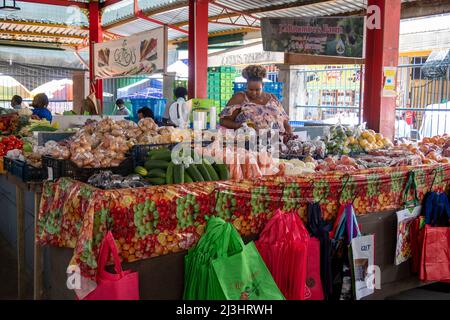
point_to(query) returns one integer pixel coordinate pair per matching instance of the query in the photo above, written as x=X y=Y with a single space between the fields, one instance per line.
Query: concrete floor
x=8 y=281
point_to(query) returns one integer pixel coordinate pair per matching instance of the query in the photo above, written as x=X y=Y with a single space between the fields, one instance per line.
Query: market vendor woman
x=255 y=107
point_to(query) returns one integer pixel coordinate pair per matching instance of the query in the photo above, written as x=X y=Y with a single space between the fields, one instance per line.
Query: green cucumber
x=213 y=174
x=141 y=171
x=157 y=173
x=178 y=173
x=163 y=155
x=187 y=178
x=222 y=170
x=195 y=173
x=204 y=172
x=157 y=181
x=169 y=173
x=152 y=164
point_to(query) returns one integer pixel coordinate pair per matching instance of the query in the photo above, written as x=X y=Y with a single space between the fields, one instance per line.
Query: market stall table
x=165 y=221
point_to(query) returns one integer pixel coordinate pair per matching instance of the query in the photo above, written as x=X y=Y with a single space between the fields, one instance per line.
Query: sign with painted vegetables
x=143 y=53
x=328 y=36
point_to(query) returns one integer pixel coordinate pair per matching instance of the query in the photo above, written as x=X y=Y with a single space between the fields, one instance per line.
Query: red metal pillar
x=198 y=48
x=95 y=36
x=382 y=46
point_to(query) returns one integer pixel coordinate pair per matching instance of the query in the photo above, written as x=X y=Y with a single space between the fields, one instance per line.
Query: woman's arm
x=287 y=127
x=238 y=98
x=229 y=121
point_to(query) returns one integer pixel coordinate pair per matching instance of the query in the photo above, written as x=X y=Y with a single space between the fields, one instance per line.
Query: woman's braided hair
x=254 y=73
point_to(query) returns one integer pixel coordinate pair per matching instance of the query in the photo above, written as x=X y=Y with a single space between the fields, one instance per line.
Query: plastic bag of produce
x=283 y=244
x=123 y=285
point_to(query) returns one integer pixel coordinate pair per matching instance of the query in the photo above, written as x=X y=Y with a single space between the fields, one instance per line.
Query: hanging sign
x=328 y=36
x=389 y=82
x=143 y=53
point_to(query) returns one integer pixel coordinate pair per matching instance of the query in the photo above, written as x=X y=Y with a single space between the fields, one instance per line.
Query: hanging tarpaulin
x=143 y=53
x=328 y=36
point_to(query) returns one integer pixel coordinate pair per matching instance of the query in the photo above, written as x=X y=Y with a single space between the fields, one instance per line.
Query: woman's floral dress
x=270 y=115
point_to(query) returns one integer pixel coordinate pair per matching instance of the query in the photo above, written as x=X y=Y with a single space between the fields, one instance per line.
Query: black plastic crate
x=71 y=170
x=23 y=170
x=52 y=167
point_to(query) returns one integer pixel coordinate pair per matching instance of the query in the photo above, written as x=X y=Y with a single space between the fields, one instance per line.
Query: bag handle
x=109 y=246
x=411 y=183
x=352 y=223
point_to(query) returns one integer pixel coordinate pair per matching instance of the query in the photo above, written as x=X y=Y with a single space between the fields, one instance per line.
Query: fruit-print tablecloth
x=153 y=221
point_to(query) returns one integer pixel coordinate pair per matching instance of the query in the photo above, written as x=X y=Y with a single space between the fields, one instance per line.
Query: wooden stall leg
x=20 y=242
x=37 y=251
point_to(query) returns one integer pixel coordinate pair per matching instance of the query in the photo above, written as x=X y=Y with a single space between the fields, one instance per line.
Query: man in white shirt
x=177 y=113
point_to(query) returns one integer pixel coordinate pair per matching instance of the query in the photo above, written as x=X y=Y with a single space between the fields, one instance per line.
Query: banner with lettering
x=143 y=53
x=328 y=36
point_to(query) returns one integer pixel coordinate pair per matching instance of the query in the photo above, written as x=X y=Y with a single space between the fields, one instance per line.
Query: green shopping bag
x=218 y=253
x=244 y=276
x=200 y=280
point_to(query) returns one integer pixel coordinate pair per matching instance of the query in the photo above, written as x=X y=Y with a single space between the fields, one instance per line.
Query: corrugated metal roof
x=46 y=13
x=124 y=9
x=28 y=31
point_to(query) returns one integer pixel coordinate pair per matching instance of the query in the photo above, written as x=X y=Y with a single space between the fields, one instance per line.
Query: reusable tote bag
x=124 y=285
x=199 y=278
x=313 y=290
x=283 y=245
x=363 y=256
x=435 y=262
x=405 y=221
x=319 y=229
x=243 y=275
x=340 y=263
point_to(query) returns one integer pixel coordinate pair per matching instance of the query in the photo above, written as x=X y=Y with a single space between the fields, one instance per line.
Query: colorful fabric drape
x=154 y=221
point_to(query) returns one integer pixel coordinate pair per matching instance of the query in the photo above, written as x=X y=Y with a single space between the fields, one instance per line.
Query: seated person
x=121 y=109
x=145 y=112
x=40 y=104
x=16 y=102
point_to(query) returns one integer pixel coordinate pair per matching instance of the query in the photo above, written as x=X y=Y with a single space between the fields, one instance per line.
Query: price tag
x=50 y=173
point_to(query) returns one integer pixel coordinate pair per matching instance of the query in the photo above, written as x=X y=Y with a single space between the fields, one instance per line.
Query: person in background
x=121 y=109
x=145 y=112
x=40 y=104
x=177 y=109
x=256 y=108
x=16 y=102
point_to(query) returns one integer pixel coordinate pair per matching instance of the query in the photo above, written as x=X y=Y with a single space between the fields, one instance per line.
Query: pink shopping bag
x=283 y=245
x=123 y=285
x=313 y=290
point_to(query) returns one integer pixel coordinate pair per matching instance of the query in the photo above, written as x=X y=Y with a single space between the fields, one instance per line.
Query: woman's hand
x=289 y=136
